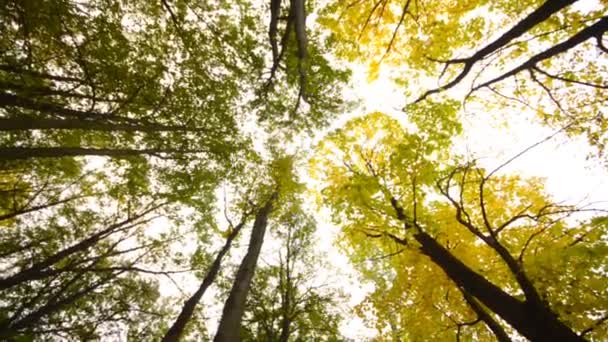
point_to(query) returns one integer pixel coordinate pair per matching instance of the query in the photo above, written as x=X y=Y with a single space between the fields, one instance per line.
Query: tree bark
x=20 y=153
x=28 y=123
x=489 y=321
x=534 y=322
x=174 y=333
x=230 y=323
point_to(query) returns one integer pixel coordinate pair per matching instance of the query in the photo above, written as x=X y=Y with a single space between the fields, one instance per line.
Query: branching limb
x=600 y=43
x=539 y=15
x=369 y=16
x=589 y=32
x=494 y=326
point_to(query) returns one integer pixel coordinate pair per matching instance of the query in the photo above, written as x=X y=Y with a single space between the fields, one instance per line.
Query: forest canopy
x=195 y=170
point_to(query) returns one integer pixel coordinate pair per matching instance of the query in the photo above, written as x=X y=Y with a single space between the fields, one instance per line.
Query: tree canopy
x=170 y=171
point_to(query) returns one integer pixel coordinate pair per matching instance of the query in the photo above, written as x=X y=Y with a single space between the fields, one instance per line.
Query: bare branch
x=570 y=80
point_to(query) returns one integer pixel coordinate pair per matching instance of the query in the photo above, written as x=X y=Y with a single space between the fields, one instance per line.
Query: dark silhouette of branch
x=404 y=11
x=29 y=123
x=494 y=326
x=569 y=80
x=275 y=9
x=369 y=17
x=589 y=32
x=537 y=16
x=26 y=210
x=18 y=70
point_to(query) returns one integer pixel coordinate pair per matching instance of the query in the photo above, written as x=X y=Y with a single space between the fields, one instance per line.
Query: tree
x=122 y=124
x=279 y=191
x=289 y=300
x=108 y=109
x=176 y=330
x=477 y=237
x=232 y=314
x=536 y=56
x=72 y=266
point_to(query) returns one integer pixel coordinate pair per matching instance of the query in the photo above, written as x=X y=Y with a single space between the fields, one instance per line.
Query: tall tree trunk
x=174 y=333
x=9 y=100
x=20 y=153
x=230 y=323
x=285 y=325
x=534 y=322
x=19 y=70
x=299 y=10
x=286 y=291
x=28 y=123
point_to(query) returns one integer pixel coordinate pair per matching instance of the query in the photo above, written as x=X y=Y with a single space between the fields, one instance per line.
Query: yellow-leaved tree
x=453 y=250
x=545 y=57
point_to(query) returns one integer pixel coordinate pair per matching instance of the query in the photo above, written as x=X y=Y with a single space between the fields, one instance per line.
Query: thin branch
x=404 y=11
x=547 y=90
x=564 y=128
x=369 y=17
x=569 y=80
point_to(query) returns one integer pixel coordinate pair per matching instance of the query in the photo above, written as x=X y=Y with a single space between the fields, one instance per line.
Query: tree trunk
x=534 y=322
x=286 y=289
x=9 y=100
x=299 y=10
x=230 y=323
x=20 y=153
x=28 y=123
x=285 y=325
x=495 y=327
x=18 y=70
x=176 y=330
